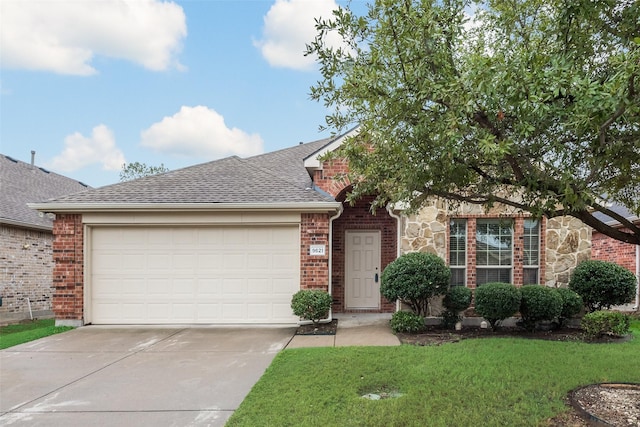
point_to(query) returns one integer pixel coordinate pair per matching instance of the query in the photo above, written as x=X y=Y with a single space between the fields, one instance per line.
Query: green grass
x=24 y=332
x=481 y=382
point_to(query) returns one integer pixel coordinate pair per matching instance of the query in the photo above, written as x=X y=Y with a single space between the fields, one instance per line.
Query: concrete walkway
x=358 y=329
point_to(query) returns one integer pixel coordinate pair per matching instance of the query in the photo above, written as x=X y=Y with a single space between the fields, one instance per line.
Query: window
x=531 y=251
x=458 y=251
x=494 y=251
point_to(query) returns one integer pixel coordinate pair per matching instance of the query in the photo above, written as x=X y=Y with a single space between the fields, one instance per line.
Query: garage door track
x=160 y=376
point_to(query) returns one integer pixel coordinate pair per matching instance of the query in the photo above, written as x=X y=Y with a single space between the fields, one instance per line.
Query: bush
x=414 y=278
x=497 y=301
x=311 y=304
x=406 y=321
x=571 y=304
x=601 y=322
x=539 y=303
x=457 y=299
x=602 y=284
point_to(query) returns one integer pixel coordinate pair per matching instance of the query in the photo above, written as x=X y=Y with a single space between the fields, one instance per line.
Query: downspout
x=329 y=319
x=398 y=241
x=637 y=278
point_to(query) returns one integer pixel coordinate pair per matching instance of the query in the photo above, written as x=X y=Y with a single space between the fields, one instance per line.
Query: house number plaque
x=317 y=250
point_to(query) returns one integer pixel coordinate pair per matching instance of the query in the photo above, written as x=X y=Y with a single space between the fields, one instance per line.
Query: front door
x=362 y=270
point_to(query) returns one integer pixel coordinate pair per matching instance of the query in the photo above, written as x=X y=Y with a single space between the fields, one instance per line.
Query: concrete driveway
x=142 y=376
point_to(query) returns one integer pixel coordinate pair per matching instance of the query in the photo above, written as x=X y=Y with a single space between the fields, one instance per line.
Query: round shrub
x=407 y=322
x=311 y=304
x=571 y=304
x=414 y=278
x=598 y=323
x=602 y=284
x=457 y=299
x=539 y=303
x=497 y=301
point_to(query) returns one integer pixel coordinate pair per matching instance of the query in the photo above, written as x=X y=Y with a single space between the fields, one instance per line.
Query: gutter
x=398 y=243
x=185 y=207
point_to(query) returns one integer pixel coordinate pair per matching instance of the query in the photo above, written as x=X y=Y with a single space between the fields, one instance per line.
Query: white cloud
x=200 y=132
x=64 y=36
x=81 y=151
x=288 y=27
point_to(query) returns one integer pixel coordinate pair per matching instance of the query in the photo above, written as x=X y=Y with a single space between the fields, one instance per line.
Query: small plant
x=311 y=304
x=497 y=301
x=457 y=299
x=414 y=278
x=407 y=322
x=539 y=303
x=598 y=323
x=571 y=304
x=602 y=284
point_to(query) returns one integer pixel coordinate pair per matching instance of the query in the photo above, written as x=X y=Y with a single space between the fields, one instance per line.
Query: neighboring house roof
x=267 y=180
x=22 y=183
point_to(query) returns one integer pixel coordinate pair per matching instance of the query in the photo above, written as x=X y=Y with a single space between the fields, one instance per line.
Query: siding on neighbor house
x=605 y=248
x=26 y=264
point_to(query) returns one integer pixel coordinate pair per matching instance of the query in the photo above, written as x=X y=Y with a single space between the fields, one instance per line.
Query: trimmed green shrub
x=414 y=278
x=407 y=322
x=602 y=284
x=497 y=301
x=571 y=304
x=311 y=304
x=539 y=303
x=457 y=299
x=598 y=323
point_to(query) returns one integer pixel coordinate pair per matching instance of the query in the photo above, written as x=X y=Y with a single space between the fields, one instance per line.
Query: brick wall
x=604 y=248
x=331 y=178
x=68 y=277
x=359 y=217
x=314 y=269
x=26 y=266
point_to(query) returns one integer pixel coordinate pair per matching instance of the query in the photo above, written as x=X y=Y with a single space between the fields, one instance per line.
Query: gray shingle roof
x=21 y=183
x=277 y=177
x=620 y=210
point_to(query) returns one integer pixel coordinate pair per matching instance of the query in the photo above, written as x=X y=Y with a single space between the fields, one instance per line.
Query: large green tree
x=534 y=104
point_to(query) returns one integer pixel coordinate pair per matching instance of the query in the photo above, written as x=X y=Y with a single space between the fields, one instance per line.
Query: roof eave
x=21 y=224
x=185 y=207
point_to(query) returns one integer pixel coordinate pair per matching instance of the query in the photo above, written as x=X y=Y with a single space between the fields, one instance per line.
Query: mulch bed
x=320 y=329
x=436 y=335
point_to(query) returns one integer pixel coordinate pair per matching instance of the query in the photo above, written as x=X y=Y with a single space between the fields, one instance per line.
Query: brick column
x=314 y=269
x=68 y=270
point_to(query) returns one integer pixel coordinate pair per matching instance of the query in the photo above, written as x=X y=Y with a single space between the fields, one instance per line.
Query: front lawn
x=476 y=382
x=20 y=333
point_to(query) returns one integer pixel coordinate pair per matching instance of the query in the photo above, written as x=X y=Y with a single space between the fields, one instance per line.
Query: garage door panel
x=155 y=275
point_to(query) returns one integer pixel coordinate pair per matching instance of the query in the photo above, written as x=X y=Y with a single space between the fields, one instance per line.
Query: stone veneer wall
x=567 y=240
x=568 y=243
x=26 y=268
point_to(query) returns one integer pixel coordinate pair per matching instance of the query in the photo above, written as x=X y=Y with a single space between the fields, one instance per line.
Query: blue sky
x=92 y=84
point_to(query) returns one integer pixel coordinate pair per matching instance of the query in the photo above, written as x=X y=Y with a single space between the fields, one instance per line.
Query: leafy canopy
x=534 y=104
x=135 y=170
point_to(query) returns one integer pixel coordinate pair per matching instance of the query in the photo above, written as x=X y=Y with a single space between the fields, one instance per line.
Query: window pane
x=458 y=242
x=488 y=275
x=458 y=277
x=531 y=241
x=494 y=240
x=530 y=276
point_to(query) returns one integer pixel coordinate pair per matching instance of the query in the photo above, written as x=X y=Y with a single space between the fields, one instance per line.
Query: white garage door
x=187 y=275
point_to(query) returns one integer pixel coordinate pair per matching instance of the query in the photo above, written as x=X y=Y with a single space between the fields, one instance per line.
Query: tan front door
x=363 y=270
